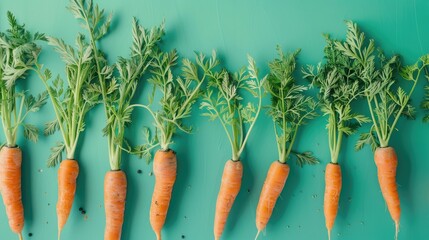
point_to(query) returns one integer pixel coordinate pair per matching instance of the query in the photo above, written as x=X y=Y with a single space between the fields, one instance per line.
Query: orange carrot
x=115 y=191
x=67 y=174
x=10 y=187
x=164 y=169
x=332 y=194
x=273 y=186
x=386 y=160
x=229 y=188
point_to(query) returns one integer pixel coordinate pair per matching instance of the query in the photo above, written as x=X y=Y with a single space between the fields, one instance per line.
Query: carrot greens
x=339 y=87
x=71 y=102
x=178 y=95
x=223 y=100
x=377 y=79
x=289 y=108
x=18 y=53
x=118 y=83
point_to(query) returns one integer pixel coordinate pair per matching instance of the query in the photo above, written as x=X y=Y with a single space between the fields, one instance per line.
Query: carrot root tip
x=20 y=236
x=329 y=234
x=158 y=236
x=396 y=230
x=257 y=235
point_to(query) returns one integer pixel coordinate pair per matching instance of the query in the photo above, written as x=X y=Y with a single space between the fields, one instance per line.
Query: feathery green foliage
x=378 y=75
x=289 y=108
x=18 y=53
x=73 y=101
x=178 y=95
x=117 y=84
x=339 y=86
x=223 y=99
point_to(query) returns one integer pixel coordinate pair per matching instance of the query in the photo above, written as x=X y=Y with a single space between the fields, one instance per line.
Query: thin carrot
x=273 y=186
x=229 y=188
x=378 y=78
x=337 y=93
x=10 y=186
x=387 y=162
x=115 y=191
x=165 y=171
x=223 y=100
x=289 y=109
x=333 y=184
x=18 y=52
x=67 y=175
x=178 y=95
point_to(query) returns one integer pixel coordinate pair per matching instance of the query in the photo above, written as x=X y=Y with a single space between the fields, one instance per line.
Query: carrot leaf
x=224 y=99
x=19 y=53
x=377 y=76
x=117 y=83
x=56 y=154
x=338 y=85
x=289 y=108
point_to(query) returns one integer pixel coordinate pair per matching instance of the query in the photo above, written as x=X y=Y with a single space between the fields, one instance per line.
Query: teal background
x=233 y=28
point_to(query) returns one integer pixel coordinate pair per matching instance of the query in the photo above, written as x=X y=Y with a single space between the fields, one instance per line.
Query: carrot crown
x=19 y=53
x=223 y=100
x=117 y=84
x=289 y=108
x=71 y=102
x=377 y=76
x=338 y=82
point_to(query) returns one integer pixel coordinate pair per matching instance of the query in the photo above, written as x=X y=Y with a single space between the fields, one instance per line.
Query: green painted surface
x=233 y=28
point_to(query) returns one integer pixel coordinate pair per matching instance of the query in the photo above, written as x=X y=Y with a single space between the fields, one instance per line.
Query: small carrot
x=273 y=186
x=10 y=186
x=165 y=171
x=378 y=77
x=337 y=93
x=289 y=109
x=115 y=191
x=19 y=53
x=386 y=160
x=178 y=95
x=229 y=188
x=223 y=100
x=67 y=175
x=333 y=184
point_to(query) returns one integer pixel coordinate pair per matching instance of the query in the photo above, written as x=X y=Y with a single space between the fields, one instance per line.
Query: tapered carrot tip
x=396 y=230
x=158 y=236
x=329 y=234
x=20 y=236
x=257 y=235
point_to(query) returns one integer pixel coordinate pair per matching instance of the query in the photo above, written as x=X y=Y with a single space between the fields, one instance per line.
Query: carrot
x=229 y=188
x=115 y=191
x=164 y=169
x=223 y=101
x=362 y=55
x=273 y=186
x=387 y=162
x=67 y=175
x=19 y=55
x=332 y=194
x=337 y=93
x=289 y=109
x=178 y=95
x=10 y=186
